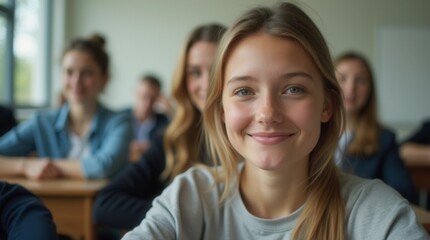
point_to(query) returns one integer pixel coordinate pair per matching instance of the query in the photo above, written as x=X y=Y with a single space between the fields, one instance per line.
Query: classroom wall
x=145 y=36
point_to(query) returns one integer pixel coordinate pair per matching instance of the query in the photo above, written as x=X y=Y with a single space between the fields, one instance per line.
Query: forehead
x=263 y=54
x=201 y=51
x=77 y=57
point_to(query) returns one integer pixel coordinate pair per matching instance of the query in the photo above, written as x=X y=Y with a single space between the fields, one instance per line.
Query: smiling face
x=273 y=102
x=354 y=79
x=83 y=78
x=199 y=62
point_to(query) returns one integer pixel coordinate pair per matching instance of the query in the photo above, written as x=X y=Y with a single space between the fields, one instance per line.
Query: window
x=26 y=81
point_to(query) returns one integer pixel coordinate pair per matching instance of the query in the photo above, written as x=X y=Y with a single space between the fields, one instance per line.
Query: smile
x=270 y=138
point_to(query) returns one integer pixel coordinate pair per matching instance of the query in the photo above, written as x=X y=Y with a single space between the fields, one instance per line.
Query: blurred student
x=146 y=122
x=272 y=117
x=23 y=216
x=367 y=148
x=124 y=203
x=7 y=120
x=82 y=138
x=416 y=148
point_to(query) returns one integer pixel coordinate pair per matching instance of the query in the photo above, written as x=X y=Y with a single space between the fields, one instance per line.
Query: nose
x=348 y=87
x=76 y=78
x=268 y=111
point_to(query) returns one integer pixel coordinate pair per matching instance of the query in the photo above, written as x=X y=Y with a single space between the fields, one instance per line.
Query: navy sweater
x=23 y=216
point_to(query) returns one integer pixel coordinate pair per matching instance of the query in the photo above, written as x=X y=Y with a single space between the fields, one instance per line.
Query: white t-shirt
x=79 y=146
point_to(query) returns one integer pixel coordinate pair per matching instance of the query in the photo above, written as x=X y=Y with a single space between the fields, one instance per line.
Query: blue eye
x=243 y=92
x=294 y=90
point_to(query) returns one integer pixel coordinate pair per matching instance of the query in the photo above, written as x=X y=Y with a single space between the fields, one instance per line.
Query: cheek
x=235 y=119
x=190 y=86
x=307 y=115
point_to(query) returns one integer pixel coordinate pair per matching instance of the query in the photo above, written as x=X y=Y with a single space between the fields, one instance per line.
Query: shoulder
x=198 y=178
x=368 y=191
x=376 y=211
x=387 y=138
x=386 y=133
x=426 y=124
x=47 y=117
x=196 y=185
x=114 y=117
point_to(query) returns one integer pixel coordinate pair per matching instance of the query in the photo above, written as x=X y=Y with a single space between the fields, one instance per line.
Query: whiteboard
x=403 y=74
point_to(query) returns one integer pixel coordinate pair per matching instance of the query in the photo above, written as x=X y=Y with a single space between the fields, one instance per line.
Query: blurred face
x=199 y=62
x=82 y=76
x=273 y=102
x=145 y=97
x=355 y=83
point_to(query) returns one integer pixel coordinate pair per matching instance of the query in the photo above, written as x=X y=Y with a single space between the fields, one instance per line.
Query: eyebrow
x=286 y=76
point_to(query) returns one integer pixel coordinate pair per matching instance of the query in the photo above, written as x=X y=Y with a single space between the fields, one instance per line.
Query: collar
x=63 y=118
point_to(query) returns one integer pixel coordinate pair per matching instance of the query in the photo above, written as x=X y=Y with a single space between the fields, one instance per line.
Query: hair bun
x=98 y=39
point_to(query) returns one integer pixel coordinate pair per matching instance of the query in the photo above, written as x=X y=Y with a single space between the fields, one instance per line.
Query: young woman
x=366 y=148
x=272 y=118
x=125 y=201
x=81 y=139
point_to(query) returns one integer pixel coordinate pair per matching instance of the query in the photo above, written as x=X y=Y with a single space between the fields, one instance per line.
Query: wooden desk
x=423 y=217
x=70 y=202
x=420 y=173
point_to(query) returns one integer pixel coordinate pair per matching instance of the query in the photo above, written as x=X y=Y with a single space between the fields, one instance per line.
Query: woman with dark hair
x=81 y=139
x=366 y=148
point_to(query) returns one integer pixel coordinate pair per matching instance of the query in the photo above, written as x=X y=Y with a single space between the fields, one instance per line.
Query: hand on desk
x=41 y=169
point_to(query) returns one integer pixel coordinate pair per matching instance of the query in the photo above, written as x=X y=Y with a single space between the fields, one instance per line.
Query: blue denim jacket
x=47 y=134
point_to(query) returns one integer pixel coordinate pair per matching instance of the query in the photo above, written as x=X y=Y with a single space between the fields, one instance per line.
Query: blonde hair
x=323 y=214
x=366 y=131
x=183 y=135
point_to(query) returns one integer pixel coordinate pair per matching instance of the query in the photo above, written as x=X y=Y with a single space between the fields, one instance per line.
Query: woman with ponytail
x=81 y=139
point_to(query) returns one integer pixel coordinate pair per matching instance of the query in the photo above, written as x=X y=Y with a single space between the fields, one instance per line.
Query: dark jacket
x=422 y=135
x=161 y=122
x=124 y=202
x=23 y=216
x=7 y=120
x=385 y=164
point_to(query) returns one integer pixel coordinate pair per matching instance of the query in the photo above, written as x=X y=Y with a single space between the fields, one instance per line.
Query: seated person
x=125 y=201
x=23 y=216
x=81 y=139
x=416 y=148
x=146 y=122
x=366 y=148
x=7 y=120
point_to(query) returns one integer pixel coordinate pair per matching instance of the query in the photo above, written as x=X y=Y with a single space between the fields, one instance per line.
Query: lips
x=270 y=138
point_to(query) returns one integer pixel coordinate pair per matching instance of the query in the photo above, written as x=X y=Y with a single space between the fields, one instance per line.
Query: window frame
x=8 y=10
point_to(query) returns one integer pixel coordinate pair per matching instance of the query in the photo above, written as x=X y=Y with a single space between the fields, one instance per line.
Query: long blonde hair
x=366 y=132
x=183 y=135
x=323 y=214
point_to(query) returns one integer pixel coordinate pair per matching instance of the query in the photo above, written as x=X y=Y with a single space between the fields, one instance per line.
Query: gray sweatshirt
x=189 y=209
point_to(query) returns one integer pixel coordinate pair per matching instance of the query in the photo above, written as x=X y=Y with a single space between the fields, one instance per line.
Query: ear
x=327 y=109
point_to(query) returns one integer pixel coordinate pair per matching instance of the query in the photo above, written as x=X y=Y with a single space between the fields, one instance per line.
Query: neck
x=350 y=122
x=268 y=195
x=80 y=117
x=142 y=119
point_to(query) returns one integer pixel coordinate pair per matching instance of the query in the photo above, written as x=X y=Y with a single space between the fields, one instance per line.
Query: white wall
x=146 y=35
